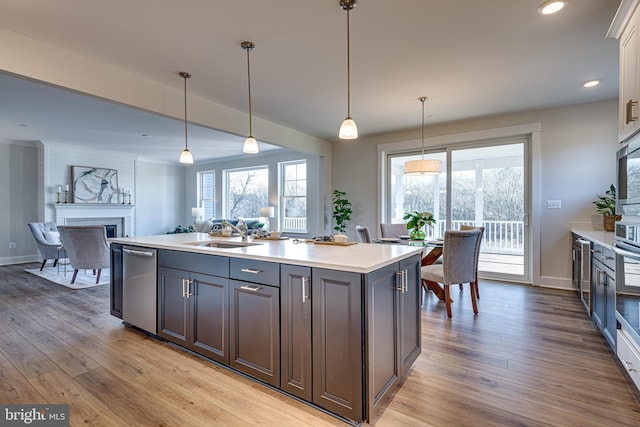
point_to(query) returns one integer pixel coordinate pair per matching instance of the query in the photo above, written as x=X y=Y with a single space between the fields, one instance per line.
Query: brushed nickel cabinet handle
x=304 y=289
x=250 y=288
x=629 y=366
x=630 y=117
x=189 y=290
x=184 y=291
x=250 y=270
x=401 y=275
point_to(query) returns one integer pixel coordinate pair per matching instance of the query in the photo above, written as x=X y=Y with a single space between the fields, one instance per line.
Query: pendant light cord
x=422 y=99
x=348 y=68
x=249 y=84
x=185 y=112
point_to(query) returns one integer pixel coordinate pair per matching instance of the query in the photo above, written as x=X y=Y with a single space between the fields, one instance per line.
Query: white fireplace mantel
x=67 y=212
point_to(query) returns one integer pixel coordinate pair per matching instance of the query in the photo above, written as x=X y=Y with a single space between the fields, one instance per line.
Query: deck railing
x=294 y=224
x=503 y=237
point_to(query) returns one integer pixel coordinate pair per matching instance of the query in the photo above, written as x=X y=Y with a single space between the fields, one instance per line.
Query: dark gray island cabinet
x=340 y=340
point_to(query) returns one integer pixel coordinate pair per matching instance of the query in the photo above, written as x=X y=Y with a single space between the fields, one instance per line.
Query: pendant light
x=185 y=156
x=250 y=144
x=422 y=167
x=348 y=129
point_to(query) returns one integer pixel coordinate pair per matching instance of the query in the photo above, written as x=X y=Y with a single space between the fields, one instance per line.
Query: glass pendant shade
x=186 y=157
x=348 y=129
x=250 y=146
x=422 y=167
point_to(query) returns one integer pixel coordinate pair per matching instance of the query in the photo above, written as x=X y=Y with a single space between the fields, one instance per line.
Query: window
x=246 y=191
x=293 y=190
x=207 y=193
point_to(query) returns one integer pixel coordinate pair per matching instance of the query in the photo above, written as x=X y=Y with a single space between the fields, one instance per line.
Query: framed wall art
x=94 y=185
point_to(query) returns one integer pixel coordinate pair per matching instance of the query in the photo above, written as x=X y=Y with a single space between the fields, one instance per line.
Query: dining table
x=435 y=246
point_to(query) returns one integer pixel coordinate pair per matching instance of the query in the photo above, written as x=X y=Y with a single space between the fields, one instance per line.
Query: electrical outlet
x=12 y=245
x=554 y=204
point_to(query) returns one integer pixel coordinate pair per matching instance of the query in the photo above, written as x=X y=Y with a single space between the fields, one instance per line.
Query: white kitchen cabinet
x=629 y=355
x=625 y=28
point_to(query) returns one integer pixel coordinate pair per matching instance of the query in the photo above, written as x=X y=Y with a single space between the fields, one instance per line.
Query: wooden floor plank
x=531 y=357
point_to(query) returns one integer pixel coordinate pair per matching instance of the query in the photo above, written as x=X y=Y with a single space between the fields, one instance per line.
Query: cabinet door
x=116 y=280
x=410 y=336
x=172 y=305
x=610 y=322
x=599 y=278
x=629 y=82
x=208 y=314
x=254 y=330
x=384 y=287
x=295 y=331
x=337 y=341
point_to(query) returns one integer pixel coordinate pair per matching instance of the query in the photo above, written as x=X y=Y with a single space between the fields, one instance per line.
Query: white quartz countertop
x=602 y=237
x=358 y=258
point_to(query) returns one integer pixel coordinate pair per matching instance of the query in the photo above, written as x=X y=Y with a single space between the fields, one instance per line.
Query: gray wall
x=19 y=193
x=577 y=162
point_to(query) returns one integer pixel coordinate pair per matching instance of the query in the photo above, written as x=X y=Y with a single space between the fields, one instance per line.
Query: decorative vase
x=609 y=221
x=417 y=234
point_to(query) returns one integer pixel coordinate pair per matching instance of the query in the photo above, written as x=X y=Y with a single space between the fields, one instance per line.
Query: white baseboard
x=20 y=259
x=555 y=283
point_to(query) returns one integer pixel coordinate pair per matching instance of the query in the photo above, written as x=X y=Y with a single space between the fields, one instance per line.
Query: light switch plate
x=554 y=204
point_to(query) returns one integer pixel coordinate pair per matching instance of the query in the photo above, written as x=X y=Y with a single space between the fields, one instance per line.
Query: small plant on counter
x=341 y=210
x=606 y=205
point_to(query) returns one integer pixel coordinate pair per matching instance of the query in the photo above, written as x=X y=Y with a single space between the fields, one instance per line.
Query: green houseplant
x=416 y=222
x=341 y=211
x=606 y=205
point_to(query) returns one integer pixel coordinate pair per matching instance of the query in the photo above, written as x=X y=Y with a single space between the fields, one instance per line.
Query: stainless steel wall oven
x=627 y=248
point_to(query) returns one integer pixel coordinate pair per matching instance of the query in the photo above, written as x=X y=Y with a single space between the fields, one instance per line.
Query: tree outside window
x=247 y=190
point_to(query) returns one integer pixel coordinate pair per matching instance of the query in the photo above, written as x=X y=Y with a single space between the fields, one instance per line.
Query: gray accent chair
x=87 y=248
x=459 y=264
x=471 y=227
x=363 y=234
x=44 y=234
x=393 y=230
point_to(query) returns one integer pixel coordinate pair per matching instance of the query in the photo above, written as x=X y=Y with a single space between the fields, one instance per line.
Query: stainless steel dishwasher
x=139 y=288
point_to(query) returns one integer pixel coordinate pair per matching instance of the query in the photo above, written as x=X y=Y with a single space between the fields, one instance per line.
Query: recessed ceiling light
x=591 y=83
x=552 y=6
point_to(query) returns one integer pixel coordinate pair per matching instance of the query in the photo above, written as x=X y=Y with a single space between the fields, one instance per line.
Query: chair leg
x=473 y=297
x=460 y=285
x=447 y=298
x=43 y=263
x=55 y=262
x=475 y=284
x=75 y=273
x=98 y=276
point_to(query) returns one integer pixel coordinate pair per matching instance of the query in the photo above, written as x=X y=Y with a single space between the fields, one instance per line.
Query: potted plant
x=606 y=205
x=416 y=222
x=341 y=211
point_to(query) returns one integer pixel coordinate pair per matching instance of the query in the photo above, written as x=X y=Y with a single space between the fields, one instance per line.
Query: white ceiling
x=471 y=58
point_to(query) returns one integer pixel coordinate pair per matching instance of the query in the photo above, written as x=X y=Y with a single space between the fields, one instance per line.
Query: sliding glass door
x=480 y=185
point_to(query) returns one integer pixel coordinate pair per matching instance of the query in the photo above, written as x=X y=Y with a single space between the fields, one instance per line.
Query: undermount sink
x=224 y=245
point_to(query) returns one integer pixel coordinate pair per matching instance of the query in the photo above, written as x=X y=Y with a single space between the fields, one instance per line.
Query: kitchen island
x=336 y=326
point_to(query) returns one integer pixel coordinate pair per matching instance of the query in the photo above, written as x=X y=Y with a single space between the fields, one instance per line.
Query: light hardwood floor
x=530 y=358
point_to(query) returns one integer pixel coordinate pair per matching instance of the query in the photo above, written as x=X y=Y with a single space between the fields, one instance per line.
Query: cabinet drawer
x=213 y=265
x=629 y=355
x=249 y=270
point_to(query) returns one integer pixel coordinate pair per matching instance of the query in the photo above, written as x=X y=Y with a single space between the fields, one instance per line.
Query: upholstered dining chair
x=458 y=264
x=87 y=248
x=471 y=227
x=363 y=234
x=47 y=238
x=393 y=230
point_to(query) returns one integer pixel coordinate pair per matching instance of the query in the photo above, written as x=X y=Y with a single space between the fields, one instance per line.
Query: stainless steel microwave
x=628 y=179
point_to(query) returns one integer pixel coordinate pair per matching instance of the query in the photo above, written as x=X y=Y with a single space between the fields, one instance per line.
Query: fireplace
x=116 y=218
